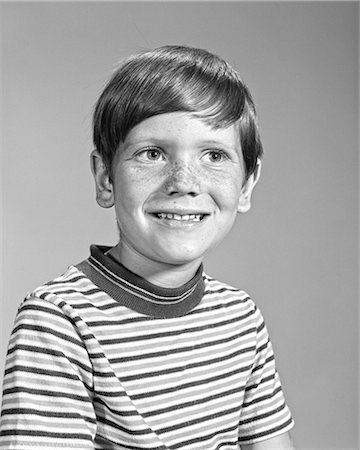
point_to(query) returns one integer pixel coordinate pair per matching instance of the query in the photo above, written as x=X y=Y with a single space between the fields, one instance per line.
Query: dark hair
x=173 y=79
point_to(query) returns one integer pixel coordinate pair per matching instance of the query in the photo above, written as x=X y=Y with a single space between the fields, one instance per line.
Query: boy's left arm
x=281 y=442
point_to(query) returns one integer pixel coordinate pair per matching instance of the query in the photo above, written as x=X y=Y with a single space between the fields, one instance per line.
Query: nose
x=182 y=178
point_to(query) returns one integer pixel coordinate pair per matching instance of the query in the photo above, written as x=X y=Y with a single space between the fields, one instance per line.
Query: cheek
x=134 y=179
x=132 y=189
x=137 y=176
x=226 y=189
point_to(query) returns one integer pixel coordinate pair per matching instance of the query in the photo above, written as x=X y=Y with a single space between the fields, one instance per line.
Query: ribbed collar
x=136 y=293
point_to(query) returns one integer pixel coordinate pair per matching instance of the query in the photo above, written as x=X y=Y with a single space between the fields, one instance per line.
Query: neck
x=158 y=273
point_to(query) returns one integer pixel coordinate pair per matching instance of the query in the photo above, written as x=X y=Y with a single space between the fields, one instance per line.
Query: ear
x=247 y=188
x=104 y=187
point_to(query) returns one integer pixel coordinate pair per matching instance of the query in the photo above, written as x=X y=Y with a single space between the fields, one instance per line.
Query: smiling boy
x=136 y=347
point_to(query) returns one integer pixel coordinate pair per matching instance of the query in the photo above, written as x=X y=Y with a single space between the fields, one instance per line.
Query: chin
x=181 y=253
x=178 y=258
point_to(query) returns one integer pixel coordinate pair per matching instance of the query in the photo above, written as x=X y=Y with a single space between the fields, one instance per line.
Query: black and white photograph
x=180 y=225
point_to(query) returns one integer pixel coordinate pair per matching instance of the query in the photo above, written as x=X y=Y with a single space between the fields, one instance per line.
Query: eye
x=216 y=156
x=151 y=154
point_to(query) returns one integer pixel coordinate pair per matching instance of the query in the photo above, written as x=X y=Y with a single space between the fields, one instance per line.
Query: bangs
x=209 y=88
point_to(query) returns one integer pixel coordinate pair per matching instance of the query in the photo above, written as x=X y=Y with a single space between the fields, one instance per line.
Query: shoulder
x=55 y=308
x=216 y=287
x=72 y=278
x=71 y=287
x=62 y=298
x=51 y=299
x=231 y=297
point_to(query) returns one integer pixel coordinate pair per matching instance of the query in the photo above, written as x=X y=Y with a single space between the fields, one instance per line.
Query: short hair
x=175 y=79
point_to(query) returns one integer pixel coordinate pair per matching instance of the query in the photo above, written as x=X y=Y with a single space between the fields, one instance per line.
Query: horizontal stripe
x=264 y=415
x=45 y=393
x=263 y=380
x=36 y=350
x=49 y=414
x=204 y=418
x=192 y=402
x=188 y=385
x=36 y=370
x=29 y=433
x=207 y=362
x=207 y=437
x=65 y=280
x=116 y=426
x=43 y=329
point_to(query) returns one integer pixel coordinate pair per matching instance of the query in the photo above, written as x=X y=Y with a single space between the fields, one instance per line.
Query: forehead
x=183 y=127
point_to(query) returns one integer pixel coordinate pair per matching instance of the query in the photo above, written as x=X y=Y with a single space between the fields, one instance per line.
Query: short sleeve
x=47 y=390
x=265 y=413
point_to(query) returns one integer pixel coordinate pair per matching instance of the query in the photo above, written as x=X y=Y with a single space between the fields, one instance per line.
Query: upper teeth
x=195 y=217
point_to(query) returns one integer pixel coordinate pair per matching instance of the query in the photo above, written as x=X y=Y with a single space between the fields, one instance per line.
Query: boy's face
x=177 y=186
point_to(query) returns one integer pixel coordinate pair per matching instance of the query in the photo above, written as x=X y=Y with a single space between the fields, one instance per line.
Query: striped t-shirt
x=99 y=358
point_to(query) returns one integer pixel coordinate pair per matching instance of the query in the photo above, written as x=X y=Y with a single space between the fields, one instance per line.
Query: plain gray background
x=295 y=252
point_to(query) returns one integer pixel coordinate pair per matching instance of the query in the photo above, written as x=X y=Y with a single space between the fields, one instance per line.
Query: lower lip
x=172 y=223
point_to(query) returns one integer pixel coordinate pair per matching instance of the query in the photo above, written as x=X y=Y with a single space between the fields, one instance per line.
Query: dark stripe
x=193 y=402
x=261 y=366
x=263 y=380
x=190 y=384
x=50 y=331
x=121 y=322
x=263 y=397
x=45 y=309
x=46 y=393
x=36 y=412
x=202 y=438
x=104 y=444
x=67 y=281
x=38 y=371
x=79 y=291
x=221 y=290
x=228 y=304
x=115 y=412
x=80 y=306
x=112 y=305
x=110 y=394
x=39 y=433
x=51 y=373
x=267 y=432
x=123 y=429
x=48 y=351
x=262 y=347
x=60 y=313
x=263 y=416
x=198 y=421
x=261 y=326
x=194 y=365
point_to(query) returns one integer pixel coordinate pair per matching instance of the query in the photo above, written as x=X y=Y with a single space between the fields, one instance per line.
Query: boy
x=137 y=348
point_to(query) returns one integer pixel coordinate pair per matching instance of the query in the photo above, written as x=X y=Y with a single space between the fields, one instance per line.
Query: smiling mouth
x=180 y=217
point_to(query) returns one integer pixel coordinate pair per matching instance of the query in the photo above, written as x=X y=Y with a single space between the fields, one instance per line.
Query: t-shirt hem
x=264 y=436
